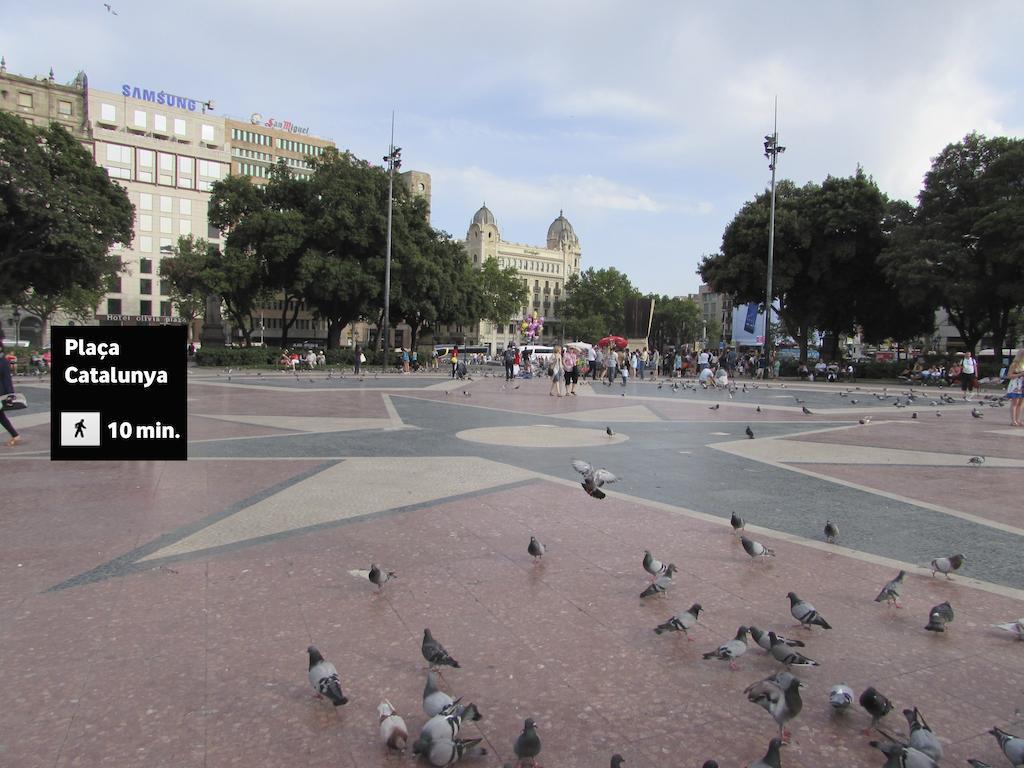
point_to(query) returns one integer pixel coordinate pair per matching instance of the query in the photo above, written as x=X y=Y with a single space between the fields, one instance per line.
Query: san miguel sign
x=281 y=125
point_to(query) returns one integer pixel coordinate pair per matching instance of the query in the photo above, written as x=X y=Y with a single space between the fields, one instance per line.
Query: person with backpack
x=509 y=358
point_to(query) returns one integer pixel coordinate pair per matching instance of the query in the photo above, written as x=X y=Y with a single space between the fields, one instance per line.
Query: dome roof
x=560 y=230
x=484 y=216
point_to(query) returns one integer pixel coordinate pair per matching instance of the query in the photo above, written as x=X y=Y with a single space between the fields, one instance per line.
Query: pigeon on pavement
x=977 y=763
x=876 y=705
x=608 y=431
x=921 y=736
x=786 y=655
x=435 y=653
x=756 y=548
x=1013 y=627
x=324 y=678
x=536 y=549
x=653 y=566
x=593 y=478
x=976 y=460
x=891 y=592
x=805 y=613
x=660 y=584
x=762 y=639
x=759 y=409
x=681 y=622
x=732 y=649
x=393 y=732
x=618 y=760
x=380 y=576
x=947 y=564
x=807 y=411
x=902 y=756
x=444 y=726
x=779 y=699
x=840 y=697
x=865 y=420
x=435 y=701
x=527 y=745
x=939 y=617
x=1012 y=746
x=737 y=522
x=977 y=414
x=714 y=407
x=444 y=751
x=831 y=532
x=771 y=757
x=749 y=432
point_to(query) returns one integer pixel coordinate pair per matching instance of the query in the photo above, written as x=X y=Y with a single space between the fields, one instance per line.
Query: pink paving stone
x=281 y=400
x=207 y=428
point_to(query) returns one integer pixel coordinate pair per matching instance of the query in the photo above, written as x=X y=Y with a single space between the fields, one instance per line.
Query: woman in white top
x=557 y=387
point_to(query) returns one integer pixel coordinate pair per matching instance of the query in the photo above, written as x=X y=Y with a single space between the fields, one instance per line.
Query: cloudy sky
x=643 y=121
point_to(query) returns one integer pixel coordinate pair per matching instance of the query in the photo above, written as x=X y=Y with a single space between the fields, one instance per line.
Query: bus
x=445 y=350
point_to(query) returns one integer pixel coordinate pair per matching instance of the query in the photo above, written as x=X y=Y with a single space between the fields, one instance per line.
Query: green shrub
x=237 y=357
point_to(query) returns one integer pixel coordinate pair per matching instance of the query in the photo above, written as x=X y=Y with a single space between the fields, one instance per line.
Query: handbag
x=362 y=358
x=13 y=402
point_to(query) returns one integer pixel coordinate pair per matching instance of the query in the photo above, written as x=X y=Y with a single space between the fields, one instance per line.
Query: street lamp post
x=772 y=150
x=17 y=326
x=394 y=161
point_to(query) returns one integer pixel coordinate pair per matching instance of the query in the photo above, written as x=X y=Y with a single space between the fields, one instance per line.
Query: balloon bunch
x=532 y=326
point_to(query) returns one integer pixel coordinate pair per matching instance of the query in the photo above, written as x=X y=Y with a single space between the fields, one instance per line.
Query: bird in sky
x=109 y=9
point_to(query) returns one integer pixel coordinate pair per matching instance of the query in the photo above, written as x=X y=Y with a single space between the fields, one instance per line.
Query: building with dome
x=544 y=269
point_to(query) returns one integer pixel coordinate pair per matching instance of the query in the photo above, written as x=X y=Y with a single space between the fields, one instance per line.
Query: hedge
x=267 y=357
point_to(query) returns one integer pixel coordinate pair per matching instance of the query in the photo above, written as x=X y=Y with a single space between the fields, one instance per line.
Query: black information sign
x=118 y=393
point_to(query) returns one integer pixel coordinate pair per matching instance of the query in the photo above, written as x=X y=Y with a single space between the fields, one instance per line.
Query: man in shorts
x=968 y=374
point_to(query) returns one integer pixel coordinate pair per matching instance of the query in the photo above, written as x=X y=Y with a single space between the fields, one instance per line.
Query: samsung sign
x=160 y=97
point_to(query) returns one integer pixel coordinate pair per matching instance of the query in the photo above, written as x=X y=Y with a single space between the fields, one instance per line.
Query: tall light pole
x=394 y=161
x=772 y=150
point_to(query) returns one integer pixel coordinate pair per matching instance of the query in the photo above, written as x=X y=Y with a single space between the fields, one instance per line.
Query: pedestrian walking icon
x=80 y=429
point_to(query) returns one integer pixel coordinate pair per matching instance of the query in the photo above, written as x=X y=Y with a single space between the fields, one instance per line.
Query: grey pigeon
x=779 y=699
x=593 y=478
x=681 y=622
x=840 y=697
x=618 y=760
x=393 y=731
x=653 y=566
x=977 y=414
x=786 y=655
x=380 y=576
x=977 y=763
x=527 y=745
x=435 y=701
x=865 y=420
x=762 y=639
x=902 y=756
x=732 y=649
x=939 y=617
x=660 y=584
x=759 y=409
x=749 y=432
x=324 y=678
x=609 y=432
x=1012 y=746
x=714 y=407
x=1013 y=627
x=921 y=736
x=876 y=705
x=976 y=460
x=737 y=522
x=891 y=591
x=805 y=613
x=947 y=565
x=445 y=752
x=535 y=549
x=756 y=548
x=771 y=757
x=435 y=653
x=807 y=411
x=710 y=764
x=831 y=532
x=444 y=726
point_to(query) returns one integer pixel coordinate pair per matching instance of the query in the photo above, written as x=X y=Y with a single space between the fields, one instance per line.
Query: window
x=185 y=165
x=25 y=100
x=165 y=225
x=160 y=123
x=166 y=204
x=179 y=127
x=113 y=284
x=145 y=222
x=113 y=306
x=108 y=114
x=146 y=308
x=165 y=289
x=165 y=309
x=139 y=118
x=118 y=173
x=146 y=266
x=185 y=227
x=146 y=201
x=118 y=154
x=64 y=108
x=207 y=132
x=146 y=243
x=166 y=162
x=165 y=243
x=185 y=207
x=211 y=169
x=146 y=287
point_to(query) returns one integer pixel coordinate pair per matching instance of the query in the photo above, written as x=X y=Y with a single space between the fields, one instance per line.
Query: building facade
x=544 y=270
x=715 y=308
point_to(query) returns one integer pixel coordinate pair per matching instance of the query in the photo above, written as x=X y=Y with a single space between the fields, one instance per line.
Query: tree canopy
x=677 y=321
x=595 y=303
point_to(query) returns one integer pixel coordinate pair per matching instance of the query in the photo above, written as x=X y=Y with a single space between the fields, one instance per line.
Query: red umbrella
x=618 y=341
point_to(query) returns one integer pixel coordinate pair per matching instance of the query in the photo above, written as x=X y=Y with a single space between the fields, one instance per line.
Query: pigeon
x=714 y=407
x=593 y=478
x=921 y=736
x=681 y=622
x=732 y=649
x=393 y=732
x=976 y=461
x=853 y=401
x=939 y=617
x=805 y=613
x=771 y=757
x=977 y=763
x=762 y=639
x=1014 y=627
x=798 y=400
x=653 y=566
x=380 y=576
x=445 y=751
x=737 y=522
x=608 y=431
x=759 y=409
x=618 y=760
x=891 y=592
x=902 y=756
x=435 y=701
x=877 y=705
x=840 y=697
x=807 y=411
x=708 y=764
x=324 y=678
x=784 y=654
x=660 y=584
x=756 y=548
x=947 y=564
x=435 y=653
x=527 y=745
x=831 y=532
x=913 y=415
x=109 y=9
x=977 y=414
x=749 y=432
x=443 y=726
x=536 y=549
x=1012 y=746
x=865 y=420
x=780 y=700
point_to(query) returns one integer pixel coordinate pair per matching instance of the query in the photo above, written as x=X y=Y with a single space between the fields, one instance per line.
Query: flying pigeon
x=939 y=617
x=444 y=752
x=593 y=478
x=1014 y=627
x=831 y=532
x=840 y=697
x=877 y=705
x=1012 y=746
x=921 y=736
x=609 y=432
x=947 y=564
x=536 y=549
x=527 y=745
x=781 y=700
x=109 y=9
x=807 y=411
x=756 y=548
x=977 y=414
x=805 y=613
x=749 y=432
x=681 y=622
x=771 y=757
x=435 y=701
x=653 y=566
x=976 y=461
x=762 y=639
x=324 y=678
x=393 y=732
x=660 y=584
x=380 y=576
x=891 y=592
x=435 y=653
x=737 y=522
x=732 y=649
x=714 y=407
x=783 y=653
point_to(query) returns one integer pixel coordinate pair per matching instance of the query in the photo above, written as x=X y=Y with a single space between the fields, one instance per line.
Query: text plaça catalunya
x=111 y=375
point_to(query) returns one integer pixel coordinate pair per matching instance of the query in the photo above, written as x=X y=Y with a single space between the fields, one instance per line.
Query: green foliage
x=237 y=357
x=502 y=292
x=595 y=304
x=677 y=321
x=59 y=213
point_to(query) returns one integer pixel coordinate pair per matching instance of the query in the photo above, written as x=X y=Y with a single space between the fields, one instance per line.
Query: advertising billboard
x=747 y=325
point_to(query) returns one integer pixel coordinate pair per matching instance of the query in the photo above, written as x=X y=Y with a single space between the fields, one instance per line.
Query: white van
x=539 y=353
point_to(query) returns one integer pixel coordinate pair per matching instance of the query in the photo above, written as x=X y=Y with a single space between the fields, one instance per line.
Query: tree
x=963 y=249
x=60 y=213
x=595 y=303
x=677 y=321
x=503 y=294
x=75 y=302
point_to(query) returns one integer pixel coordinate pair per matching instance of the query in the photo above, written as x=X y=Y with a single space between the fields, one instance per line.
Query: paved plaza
x=158 y=614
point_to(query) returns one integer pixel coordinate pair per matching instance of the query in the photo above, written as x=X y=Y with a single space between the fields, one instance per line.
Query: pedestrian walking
x=556 y=373
x=358 y=359
x=7 y=388
x=591 y=364
x=1015 y=388
x=454 y=359
x=968 y=375
x=611 y=363
x=569 y=370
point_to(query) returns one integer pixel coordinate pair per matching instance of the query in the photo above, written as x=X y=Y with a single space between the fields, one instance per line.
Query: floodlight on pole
x=394 y=161
x=772 y=150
